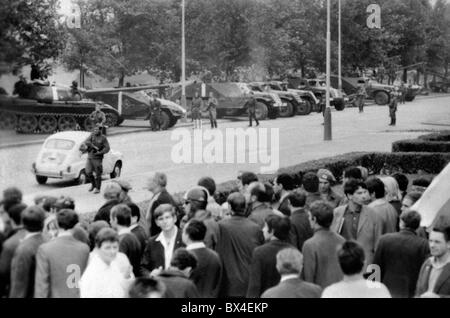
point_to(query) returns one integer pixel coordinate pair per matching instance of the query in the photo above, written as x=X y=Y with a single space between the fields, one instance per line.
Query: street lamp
x=339 y=50
x=327 y=114
x=183 y=59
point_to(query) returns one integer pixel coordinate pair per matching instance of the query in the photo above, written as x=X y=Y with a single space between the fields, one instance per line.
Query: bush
x=420 y=145
x=439 y=136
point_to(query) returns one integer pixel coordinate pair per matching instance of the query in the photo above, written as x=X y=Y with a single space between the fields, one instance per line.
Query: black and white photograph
x=225 y=153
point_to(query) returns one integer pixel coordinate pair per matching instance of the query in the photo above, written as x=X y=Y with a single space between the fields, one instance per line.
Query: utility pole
x=327 y=115
x=339 y=50
x=183 y=59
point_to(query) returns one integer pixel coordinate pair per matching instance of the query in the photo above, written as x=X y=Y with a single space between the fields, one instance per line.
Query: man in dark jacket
x=207 y=275
x=23 y=266
x=251 y=108
x=96 y=145
x=400 y=256
x=393 y=102
x=263 y=272
x=300 y=226
x=238 y=237
x=111 y=194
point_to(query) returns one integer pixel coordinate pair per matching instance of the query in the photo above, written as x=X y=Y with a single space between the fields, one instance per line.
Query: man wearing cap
x=326 y=181
x=96 y=145
x=196 y=200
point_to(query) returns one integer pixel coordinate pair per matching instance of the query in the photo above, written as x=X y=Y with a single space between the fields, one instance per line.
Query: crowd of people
x=309 y=239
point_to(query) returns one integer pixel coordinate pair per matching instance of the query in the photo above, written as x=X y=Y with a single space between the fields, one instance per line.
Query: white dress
x=100 y=280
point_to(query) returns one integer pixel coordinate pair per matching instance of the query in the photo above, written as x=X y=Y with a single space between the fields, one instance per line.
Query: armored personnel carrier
x=47 y=109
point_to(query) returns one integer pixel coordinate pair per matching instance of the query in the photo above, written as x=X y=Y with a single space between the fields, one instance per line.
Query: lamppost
x=339 y=49
x=183 y=59
x=327 y=113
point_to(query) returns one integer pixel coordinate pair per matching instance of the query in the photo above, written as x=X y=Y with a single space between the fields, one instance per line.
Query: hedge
x=420 y=145
x=443 y=135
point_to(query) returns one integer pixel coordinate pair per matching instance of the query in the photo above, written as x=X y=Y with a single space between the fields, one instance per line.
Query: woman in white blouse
x=109 y=272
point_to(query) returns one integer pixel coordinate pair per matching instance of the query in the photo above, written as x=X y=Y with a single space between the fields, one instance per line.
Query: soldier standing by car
x=251 y=108
x=155 y=113
x=96 y=145
x=196 y=107
x=360 y=97
x=393 y=107
x=212 y=109
x=97 y=117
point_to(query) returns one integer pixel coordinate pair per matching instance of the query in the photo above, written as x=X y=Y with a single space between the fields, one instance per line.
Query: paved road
x=300 y=139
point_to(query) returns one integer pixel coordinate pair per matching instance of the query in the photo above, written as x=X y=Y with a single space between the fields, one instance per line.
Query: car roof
x=77 y=136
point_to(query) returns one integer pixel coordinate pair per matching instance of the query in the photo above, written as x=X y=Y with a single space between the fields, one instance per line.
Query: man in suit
x=157 y=184
x=434 y=277
x=289 y=265
x=283 y=186
x=61 y=261
x=135 y=227
x=160 y=248
x=300 y=226
x=263 y=272
x=128 y=242
x=310 y=183
x=23 y=266
x=259 y=206
x=16 y=234
x=321 y=266
x=387 y=213
x=400 y=256
x=355 y=221
x=112 y=196
x=238 y=237
x=176 y=277
x=207 y=275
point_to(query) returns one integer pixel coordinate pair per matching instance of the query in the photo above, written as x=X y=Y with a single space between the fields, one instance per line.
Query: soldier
x=96 y=145
x=155 y=113
x=212 y=109
x=97 y=117
x=360 y=96
x=196 y=106
x=403 y=90
x=393 y=107
x=74 y=91
x=251 y=107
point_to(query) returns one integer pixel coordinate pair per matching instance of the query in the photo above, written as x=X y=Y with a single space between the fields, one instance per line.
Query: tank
x=47 y=109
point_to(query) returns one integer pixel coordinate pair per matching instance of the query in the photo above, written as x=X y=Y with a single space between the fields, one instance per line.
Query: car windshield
x=60 y=144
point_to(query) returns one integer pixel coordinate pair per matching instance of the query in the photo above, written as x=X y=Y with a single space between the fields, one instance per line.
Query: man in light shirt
x=351 y=260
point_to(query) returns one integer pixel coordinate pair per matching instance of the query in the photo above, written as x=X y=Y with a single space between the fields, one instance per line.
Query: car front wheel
x=41 y=179
x=82 y=178
x=116 y=171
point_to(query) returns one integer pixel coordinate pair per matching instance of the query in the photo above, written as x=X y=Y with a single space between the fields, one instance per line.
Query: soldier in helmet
x=96 y=145
x=393 y=106
x=97 y=117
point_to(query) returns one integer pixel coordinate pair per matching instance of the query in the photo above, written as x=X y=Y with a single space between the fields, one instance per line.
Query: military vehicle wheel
x=41 y=179
x=381 y=98
x=67 y=123
x=117 y=170
x=287 y=111
x=273 y=113
x=47 y=124
x=261 y=111
x=111 y=119
x=88 y=124
x=82 y=178
x=339 y=105
x=165 y=120
x=304 y=108
x=173 y=122
x=7 y=121
x=28 y=123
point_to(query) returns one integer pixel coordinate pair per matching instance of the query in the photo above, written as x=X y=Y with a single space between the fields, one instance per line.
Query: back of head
x=135 y=211
x=160 y=179
x=66 y=219
x=311 y=182
x=258 y=190
x=376 y=186
x=402 y=181
x=94 y=228
x=392 y=190
x=237 y=203
x=247 y=178
x=147 y=287
x=351 y=258
x=198 y=197
x=183 y=259
x=11 y=196
x=33 y=219
x=122 y=213
x=411 y=219
x=297 y=199
x=64 y=203
x=286 y=181
x=289 y=261
x=280 y=226
x=15 y=212
x=106 y=235
x=112 y=191
x=195 y=230
x=353 y=173
x=322 y=212
x=364 y=173
x=209 y=184
x=269 y=192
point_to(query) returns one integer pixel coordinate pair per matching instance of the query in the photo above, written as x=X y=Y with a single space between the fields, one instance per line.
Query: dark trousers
x=251 y=115
x=94 y=166
x=393 y=116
